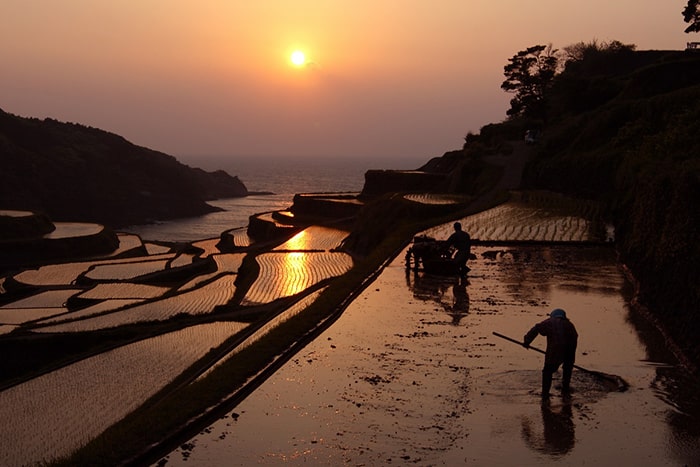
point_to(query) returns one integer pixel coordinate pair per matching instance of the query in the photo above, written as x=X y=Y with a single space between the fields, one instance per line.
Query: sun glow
x=298 y=58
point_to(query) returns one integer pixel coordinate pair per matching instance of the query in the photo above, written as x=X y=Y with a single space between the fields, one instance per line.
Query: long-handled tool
x=620 y=383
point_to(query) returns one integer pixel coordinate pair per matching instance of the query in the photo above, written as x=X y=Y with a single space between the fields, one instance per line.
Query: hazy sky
x=383 y=78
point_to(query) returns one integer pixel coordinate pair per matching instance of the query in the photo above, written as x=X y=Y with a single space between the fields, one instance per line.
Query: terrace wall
x=378 y=182
x=335 y=206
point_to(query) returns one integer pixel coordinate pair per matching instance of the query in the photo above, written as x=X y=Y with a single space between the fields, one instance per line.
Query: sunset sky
x=380 y=78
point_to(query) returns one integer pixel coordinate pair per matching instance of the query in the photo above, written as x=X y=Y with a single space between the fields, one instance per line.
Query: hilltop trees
x=529 y=74
x=691 y=15
x=593 y=50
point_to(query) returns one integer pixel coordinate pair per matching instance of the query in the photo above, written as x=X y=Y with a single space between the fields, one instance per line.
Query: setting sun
x=298 y=58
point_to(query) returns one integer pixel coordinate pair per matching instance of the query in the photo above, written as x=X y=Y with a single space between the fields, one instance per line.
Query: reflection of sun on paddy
x=298 y=242
x=314 y=238
x=295 y=269
x=284 y=274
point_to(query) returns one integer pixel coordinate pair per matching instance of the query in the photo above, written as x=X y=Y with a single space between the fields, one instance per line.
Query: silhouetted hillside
x=76 y=173
x=623 y=127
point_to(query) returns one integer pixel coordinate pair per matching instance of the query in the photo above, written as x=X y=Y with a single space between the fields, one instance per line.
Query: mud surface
x=412 y=374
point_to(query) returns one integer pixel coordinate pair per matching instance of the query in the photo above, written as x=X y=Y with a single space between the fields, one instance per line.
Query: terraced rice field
x=228 y=262
x=225 y=262
x=269 y=217
x=198 y=301
x=285 y=315
x=127 y=242
x=16 y=316
x=314 y=238
x=67 y=273
x=436 y=199
x=155 y=249
x=73 y=229
x=182 y=260
x=47 y=299
x=342 y=197
x=99 y=308
x=208 y=247
x=126 y=271
x=76 y=407
x=240 y=237
x=123 y=290
x=38 y=306
x=85 y=398
x=286 y=274
x=13 y=213
x=519 y=222
x=54 y=414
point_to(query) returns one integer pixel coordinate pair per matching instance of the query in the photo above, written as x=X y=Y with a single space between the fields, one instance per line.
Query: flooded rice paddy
x=86 y=397
x=286 y=274
x=314 y=238
x=433 y=198
x=54 y=414
x=199 y=301
x=68 y=273
x=526 y=221
x=411 y=374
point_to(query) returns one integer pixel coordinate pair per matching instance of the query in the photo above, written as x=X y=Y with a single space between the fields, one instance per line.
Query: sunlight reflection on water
x=235 y=214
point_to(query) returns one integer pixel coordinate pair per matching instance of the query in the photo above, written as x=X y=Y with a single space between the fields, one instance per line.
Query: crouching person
x=562 y=339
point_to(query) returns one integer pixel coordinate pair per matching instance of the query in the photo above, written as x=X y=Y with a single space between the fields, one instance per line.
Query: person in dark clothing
x=562 y=339
x=462 y=242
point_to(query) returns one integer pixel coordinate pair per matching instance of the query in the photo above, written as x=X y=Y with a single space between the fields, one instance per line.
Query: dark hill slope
x=76 y=173
x=624 y=128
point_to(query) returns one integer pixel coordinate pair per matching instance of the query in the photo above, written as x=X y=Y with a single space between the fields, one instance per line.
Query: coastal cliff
x=71 y=172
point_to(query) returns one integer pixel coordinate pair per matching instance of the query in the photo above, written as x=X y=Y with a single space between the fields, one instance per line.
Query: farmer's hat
x=558 y=313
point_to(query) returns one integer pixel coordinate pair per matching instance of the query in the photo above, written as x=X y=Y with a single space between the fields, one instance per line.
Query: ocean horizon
x=311 y=174
x=283 y=177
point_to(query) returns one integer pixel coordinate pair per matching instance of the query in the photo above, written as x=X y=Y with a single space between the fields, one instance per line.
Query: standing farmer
x=561 y=348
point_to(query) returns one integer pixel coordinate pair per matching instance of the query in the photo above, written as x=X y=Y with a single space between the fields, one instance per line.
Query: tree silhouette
x=691 y=14
x=529 y=75
x=582 y=51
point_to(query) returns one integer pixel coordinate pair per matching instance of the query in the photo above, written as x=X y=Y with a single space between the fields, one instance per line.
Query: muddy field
x=412 y=374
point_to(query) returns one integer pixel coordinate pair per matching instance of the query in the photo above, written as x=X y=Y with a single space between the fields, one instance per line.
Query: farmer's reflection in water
x=558 y=431
x=450 y=292
x=460 y=299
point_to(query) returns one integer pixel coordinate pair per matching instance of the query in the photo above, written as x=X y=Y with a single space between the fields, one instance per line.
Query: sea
x=283 y=177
